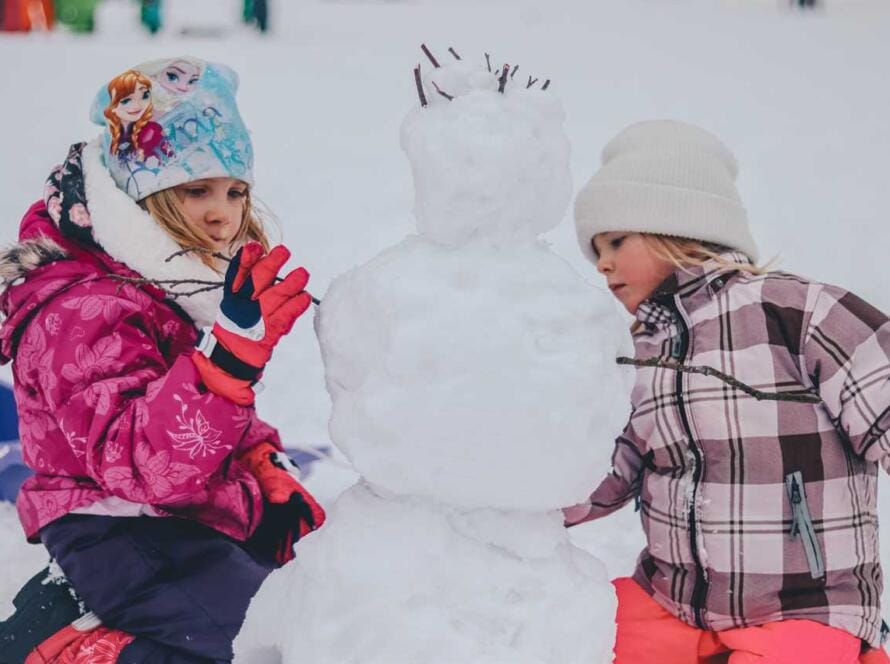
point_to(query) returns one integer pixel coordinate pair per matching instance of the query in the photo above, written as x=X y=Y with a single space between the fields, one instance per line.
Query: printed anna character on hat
x=134 y=136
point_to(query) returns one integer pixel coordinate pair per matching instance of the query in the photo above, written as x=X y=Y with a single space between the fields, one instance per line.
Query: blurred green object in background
x=150 y=15
x=257 y=11
x=76 y=14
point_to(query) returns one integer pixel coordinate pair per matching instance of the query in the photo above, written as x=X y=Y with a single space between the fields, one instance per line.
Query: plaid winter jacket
x=756 y=510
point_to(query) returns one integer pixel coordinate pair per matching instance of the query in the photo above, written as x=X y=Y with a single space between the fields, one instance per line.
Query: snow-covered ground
x=801 y=97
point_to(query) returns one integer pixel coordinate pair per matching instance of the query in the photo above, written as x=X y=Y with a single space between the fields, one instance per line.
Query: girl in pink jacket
x=161 y=496
x=760 y=416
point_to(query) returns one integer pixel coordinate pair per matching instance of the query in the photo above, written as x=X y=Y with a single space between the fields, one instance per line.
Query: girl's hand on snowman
x=289 y=510
x=254 y=314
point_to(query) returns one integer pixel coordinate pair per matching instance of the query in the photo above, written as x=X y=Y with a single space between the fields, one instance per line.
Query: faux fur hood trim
x=19 y=259
x=130 y=235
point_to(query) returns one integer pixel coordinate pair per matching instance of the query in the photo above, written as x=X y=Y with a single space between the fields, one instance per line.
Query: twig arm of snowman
x=207 y=285
x=801 y=396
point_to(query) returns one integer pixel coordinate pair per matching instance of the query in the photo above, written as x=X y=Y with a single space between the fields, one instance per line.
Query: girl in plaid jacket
x=760 y=413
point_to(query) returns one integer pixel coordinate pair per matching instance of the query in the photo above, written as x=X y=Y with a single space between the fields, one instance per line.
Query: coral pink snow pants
x=648 y=634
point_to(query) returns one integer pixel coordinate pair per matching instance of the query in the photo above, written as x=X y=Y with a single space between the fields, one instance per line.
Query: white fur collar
x=130 y=235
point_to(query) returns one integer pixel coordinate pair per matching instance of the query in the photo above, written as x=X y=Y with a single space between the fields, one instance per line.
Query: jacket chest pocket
x=802 y=524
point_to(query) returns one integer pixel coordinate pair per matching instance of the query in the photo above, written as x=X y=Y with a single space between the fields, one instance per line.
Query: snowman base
x=394 y=579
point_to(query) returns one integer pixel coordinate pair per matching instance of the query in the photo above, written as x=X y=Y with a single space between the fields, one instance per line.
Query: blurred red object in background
x=27 y=15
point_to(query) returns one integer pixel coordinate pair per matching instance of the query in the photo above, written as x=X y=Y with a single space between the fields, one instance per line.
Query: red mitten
x=254 y=315
x=290 y=512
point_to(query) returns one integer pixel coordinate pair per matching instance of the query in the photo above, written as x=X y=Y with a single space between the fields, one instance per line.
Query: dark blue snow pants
x=180 y=588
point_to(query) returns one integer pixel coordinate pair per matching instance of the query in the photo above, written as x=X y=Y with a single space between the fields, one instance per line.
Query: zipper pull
x=802 y=524
x=796 y=499
x=676 y=348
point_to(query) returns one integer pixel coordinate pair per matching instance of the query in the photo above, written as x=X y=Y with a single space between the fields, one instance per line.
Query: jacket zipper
x=678 y=352
x=802 y=523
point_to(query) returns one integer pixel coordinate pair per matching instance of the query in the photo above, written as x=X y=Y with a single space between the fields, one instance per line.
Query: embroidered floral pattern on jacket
x=110 y=403
x=198 y=437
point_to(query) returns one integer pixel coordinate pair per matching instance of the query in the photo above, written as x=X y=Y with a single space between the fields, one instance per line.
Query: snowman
x=474 y=387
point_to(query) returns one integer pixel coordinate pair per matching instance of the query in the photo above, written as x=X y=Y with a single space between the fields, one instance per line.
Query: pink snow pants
x=648 y=634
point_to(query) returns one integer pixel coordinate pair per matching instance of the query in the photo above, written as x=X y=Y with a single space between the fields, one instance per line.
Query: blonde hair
x=683 y=253
x=120 y=87
x=167 y=211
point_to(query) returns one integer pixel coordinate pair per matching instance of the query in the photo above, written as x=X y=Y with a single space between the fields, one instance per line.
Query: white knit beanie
x=669 y=178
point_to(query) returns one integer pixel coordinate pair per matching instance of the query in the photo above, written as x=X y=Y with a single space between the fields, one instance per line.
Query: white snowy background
x=802 y=98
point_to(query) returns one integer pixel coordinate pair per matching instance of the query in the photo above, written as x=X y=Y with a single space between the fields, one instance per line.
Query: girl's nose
x=603 y=265
x=215 y=212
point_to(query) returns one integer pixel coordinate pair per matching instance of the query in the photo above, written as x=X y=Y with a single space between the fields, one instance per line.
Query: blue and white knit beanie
x=172 y=121
x=668 y=178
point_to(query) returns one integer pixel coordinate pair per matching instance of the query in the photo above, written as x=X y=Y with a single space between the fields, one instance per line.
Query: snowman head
x=488 y=152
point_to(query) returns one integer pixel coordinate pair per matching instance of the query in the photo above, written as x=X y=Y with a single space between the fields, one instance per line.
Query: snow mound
x=433 y=585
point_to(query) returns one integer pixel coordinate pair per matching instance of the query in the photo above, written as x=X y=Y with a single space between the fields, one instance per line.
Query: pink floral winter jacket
x=113 y=416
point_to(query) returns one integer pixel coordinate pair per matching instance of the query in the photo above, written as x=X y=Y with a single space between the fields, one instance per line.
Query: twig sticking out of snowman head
x=503 y=74
x=444 y=94
x=502 y=81
x=419 y=83
x=432 y=58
